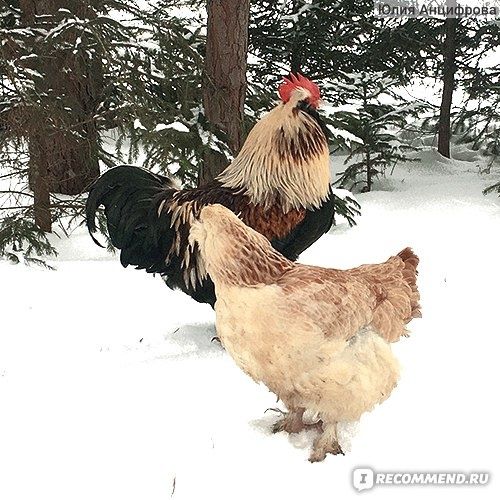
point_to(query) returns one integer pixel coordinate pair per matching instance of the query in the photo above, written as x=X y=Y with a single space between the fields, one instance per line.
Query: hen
x=318 y=338
x=279 y=184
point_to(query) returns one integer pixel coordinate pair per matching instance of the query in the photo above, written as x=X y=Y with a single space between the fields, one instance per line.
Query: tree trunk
x=224 y=83
x=368 y=141
x=72 y=164
x=369 y=171
x=40 y=186
x=68 y=146
x=444 y=127
x=297 y=43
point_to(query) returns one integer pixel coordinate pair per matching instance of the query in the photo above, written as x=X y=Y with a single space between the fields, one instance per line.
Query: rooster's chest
x=272 y=222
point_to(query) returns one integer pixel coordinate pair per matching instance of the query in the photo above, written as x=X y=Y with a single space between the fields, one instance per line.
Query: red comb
x=290 y=84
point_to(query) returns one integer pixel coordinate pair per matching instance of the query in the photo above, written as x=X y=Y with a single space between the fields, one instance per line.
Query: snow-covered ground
x=110 y=386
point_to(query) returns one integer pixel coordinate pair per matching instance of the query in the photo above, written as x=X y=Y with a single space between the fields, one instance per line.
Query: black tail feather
x=130 y=196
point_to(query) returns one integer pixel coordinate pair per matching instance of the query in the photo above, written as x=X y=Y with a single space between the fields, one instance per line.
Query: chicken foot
x=292 y=422
x=325 y=443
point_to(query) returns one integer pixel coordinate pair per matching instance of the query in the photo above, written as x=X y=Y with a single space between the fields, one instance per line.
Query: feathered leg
x=291 y=422
x=327 y=442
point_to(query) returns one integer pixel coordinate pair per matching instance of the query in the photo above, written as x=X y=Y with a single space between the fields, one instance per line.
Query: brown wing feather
x=384 y=296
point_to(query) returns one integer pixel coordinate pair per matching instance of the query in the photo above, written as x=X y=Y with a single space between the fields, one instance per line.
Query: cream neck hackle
x=285 y=159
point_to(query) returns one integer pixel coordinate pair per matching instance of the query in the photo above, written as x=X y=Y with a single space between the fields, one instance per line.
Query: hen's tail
x=410 y=273
x=129 y=196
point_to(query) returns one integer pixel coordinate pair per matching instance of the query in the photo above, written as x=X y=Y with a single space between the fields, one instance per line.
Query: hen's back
x=341 y=302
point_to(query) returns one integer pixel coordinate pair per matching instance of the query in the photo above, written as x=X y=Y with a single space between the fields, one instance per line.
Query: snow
x=337 y=132
x=180 y=127
x=138 y=124
x=112 y=388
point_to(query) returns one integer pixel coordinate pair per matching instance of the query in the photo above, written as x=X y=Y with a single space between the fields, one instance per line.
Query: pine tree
x=376 y=125
x=458 y=47
x=325 y=39
x=60 y=70
x=55 y=77
x=167 y=123
x=449 y=69
x=481 y=124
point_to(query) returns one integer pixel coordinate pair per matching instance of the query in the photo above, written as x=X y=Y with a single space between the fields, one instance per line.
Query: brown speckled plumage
x=316 y=337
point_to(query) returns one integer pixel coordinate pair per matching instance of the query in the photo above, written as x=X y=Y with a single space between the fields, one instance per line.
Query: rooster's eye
x=304 y=105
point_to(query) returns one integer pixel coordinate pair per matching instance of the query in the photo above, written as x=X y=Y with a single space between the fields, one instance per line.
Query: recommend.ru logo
x=365 y=478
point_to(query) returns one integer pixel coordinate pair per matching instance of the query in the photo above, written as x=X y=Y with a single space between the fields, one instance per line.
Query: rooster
x=318 y=338
x=279 y=183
